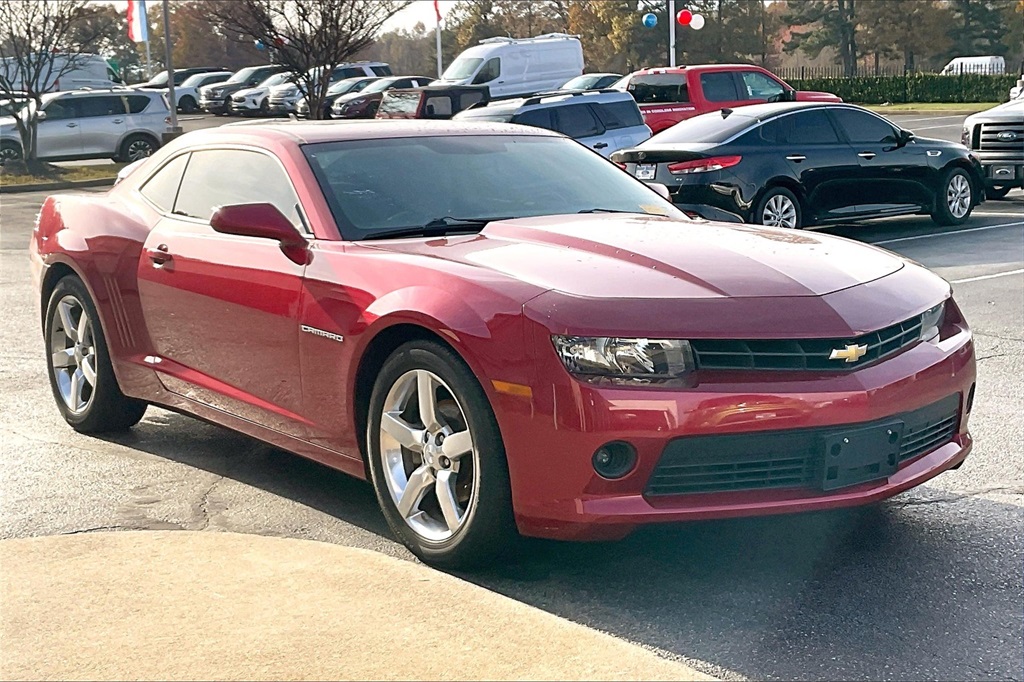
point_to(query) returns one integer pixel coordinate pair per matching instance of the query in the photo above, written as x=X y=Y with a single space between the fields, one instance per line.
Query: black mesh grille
x=784 y=459
x=800 y=354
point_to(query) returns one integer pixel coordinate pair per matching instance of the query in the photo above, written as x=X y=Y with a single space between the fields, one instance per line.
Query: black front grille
x=990 y=132
x=814 y=354
x=792 y=458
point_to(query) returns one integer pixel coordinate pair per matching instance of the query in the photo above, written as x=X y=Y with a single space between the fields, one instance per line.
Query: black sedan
x=794 y=164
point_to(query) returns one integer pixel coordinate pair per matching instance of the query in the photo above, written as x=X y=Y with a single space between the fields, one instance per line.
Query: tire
x=997 y=193
x=955 y=199
x=778 y=207
x=478 y=526
x=265 y=107
x=10 y=151
x=136 y=147
x=93 y=405
x=188 y=105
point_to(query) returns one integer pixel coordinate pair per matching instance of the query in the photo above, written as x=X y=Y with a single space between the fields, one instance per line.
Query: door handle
x=867 y=155
x=72 y=125
x=600 y=145
x=159 y=255
x=796 y=157
x=118 y=120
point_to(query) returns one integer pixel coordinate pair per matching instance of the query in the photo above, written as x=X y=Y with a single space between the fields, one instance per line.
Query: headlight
x=931 y=321
x=625 y=360
x=965 y=137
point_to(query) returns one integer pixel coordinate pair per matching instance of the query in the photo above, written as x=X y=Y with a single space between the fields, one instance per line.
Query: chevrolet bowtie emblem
x=852 y=353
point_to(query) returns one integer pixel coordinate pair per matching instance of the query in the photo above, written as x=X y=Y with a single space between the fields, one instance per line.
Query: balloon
x=259 y=45
x=697 y=23
x=650 y=20
x=684 y=17
x=279 y=42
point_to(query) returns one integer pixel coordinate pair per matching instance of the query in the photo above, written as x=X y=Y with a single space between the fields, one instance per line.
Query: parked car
x=216 y=99
x=284 y=99
x=187 y=94
x=591 y=81
x=256 y=101
x=501 y=346
x=996 y=138
x=342 y=87
x=990 y=65
x=12 y=102
x=517 y=66
x=795 y=164
x=64 y=72
x=162 y=82
x=121 y=124
x=364 y=103
x=604 y=120
x=669 y=95
x=433 y=101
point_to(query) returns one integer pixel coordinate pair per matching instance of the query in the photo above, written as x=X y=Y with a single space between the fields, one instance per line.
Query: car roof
x=554 y=98
x=694 y=67
x=261 y=132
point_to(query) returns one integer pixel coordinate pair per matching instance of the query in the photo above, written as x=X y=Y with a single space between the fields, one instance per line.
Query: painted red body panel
x=658 y=117
x=215 y=332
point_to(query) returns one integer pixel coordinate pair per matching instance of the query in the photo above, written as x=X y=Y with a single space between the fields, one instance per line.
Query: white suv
x=121 y=124
x=284 y=99
x=604 y=120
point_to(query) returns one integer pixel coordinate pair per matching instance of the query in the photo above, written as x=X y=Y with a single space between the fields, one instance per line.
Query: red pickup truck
x=668 y=95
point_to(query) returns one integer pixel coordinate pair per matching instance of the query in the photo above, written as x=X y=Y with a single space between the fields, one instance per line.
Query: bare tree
x=308 y=37
x=40 y=41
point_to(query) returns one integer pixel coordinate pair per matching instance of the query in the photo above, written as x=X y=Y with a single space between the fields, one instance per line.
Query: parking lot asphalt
x=924 y=586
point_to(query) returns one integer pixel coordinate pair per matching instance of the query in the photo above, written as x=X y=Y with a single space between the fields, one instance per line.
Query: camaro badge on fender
x=328 y=335
x=852 y=353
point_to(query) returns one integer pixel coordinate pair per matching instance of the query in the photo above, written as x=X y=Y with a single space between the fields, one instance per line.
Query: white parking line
x=944 y=234
x=948 y=125
x=992 y=276
x=928 y=118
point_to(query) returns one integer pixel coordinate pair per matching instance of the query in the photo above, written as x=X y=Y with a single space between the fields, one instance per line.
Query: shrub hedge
x=914 y=87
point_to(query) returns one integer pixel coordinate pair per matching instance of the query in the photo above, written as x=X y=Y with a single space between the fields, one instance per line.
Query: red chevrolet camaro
x=500 y=329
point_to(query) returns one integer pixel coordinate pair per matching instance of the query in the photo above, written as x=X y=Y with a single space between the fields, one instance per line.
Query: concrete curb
x=56 y=186
x=208 y=605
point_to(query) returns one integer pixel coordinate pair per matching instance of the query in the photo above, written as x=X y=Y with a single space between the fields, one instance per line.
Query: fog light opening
x=970 y=399
x=614 y=460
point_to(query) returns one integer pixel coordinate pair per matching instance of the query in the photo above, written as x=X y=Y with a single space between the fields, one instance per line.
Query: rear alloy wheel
x=188 y=105
x=80 y=372
x=437 y=459
x=954 y=204
x=9 y=151
x=778 y=208
x=136 y=148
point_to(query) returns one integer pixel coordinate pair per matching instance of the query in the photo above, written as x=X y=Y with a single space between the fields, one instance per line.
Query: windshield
x=196 y=79
x=705 y=128
x=276 y=79
x=582 y=82
x=380 y=86
x=463 y=67
x=349 y=85
x=243 y=76
x=159 y=79
x=394 y=184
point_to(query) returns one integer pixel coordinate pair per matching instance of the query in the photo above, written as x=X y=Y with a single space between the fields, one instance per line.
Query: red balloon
x=684 y=17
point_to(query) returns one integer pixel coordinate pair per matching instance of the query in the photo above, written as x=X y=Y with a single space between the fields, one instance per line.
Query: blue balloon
x=259 y=45
x=650 y=20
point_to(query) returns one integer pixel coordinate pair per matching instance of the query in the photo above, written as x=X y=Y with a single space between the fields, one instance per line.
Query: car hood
x=351 y=96
x=812 y=96
x=636 y=256
x=251 y=92
x=1008 y=112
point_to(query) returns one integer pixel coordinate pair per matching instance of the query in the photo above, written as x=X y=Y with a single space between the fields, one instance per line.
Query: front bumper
x=213 y=106
x=244 y=106
x=551 y=440
x=284 y=106
x=1001 y=169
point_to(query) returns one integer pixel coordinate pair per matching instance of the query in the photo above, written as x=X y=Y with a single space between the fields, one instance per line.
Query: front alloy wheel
x=955 y=199
x=958 y=195
x=73 y=354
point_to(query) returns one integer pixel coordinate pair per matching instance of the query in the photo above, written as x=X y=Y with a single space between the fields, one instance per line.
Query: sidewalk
x=205 y=605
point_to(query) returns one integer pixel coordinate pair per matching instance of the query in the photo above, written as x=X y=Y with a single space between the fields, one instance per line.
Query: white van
x=987 y=66
x=517 y=66
x=87 y=71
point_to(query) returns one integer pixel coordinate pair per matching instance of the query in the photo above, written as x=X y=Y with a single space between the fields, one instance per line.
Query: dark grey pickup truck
x=996 y=137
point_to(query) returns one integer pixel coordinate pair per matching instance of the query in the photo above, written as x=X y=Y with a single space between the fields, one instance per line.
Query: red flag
x=437 y=11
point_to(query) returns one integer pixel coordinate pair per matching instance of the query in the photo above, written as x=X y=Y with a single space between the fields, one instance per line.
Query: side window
x=659 y=88
x=162 y=188
x=106 y=105
x=771 y=131
x=760 y=86
x=219 y=177
x=137 y=103
x=489 y=71
x=861 y=127
x=810 y=127
x=381 y=70
x=577 y=121
x=538 y=118
x=615 y=115
x=352 y=72
x=719 y=86
x=60 y=109
x=438 y=107
x=469 y=99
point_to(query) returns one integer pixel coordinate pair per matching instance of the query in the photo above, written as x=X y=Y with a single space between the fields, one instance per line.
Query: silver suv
x=120 y=124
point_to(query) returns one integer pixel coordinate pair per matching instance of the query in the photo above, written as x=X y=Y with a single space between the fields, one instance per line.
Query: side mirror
x=904 y=137
x=266 y=222
x=40 y=115
x=661 y=189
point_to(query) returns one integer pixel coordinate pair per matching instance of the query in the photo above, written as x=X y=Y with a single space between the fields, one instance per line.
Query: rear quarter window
x=538 y=118
x=659 y=88
x=381 y=70
x=437 y=107
x=137 y=103
x=616 y=115
x=162 y=188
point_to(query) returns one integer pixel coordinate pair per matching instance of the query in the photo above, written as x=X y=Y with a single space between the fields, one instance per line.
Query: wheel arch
x=55 y=273
x=787 y=183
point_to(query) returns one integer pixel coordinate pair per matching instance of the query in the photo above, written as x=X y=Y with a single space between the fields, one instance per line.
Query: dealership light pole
x=172 y=102
x=671 y=32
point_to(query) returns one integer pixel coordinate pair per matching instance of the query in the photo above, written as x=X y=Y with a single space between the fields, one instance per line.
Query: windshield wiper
x=438 y=227
x=605 y=210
